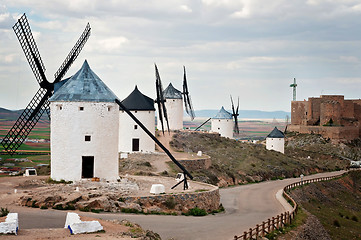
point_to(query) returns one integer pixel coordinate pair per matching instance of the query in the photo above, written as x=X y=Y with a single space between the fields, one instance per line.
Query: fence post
x=262 y=232
x=278 y=221
x=288 y=217
x=282 y=222
x=269 y=225
x=244 y=235
x=257 y=231
x=250 y=233
x=273 y=223
x=235 y=237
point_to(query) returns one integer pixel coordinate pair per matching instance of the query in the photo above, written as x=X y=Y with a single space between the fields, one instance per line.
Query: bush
x=97 y=210
x=129 y=210
x=4 y=212
x=354 y=218
x=196 y=212
x=43 y=207
x=336 y=223
x=170 y=203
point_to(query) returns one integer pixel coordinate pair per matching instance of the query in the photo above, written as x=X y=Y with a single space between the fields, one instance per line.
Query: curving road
x=245 y=205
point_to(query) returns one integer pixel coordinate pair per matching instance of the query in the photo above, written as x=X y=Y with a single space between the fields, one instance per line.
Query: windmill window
x=60 y=107
x=218 y=128
x=173 y=100
x=135 y=111
x=109 y=109
x=135 y=126
x=87 y=138
x=219 y=120
x=81 y=108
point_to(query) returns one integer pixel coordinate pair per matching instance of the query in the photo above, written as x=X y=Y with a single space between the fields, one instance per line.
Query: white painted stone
x=199 y=153
x=77 y=226
x=276 y=144
x=175 y=115
x=128 y=131
x=69 y=126
x=223 y=126
x=11 y=224
x=30 y=172
x=123 y=155
x=157 y=189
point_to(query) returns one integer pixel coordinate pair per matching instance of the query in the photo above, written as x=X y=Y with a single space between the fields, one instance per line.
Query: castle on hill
x=332 y=116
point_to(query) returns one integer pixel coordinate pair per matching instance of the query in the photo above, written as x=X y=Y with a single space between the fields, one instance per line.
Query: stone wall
x=337 y=133
x=196 y=164
x=207 y=200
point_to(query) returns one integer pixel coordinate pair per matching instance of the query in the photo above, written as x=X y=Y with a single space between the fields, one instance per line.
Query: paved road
x=245 y=206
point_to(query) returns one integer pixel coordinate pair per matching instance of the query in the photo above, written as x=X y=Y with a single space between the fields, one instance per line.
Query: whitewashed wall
x=69 y=126
x=277 y=144
x=127 y=131
x=175 y=115
x=223 y=126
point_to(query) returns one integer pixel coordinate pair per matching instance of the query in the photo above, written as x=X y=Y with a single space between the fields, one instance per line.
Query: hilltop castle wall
x=329 y=115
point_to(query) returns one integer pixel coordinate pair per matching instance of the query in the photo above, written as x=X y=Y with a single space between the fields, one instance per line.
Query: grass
x=336 y=204
x=243 y=162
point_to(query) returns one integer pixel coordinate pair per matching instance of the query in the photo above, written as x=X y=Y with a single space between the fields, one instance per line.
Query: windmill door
x=87 y=167
x=135 y=145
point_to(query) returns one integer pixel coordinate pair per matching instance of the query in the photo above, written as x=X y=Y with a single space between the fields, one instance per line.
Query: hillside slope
x=234 y=162
x=335 y=203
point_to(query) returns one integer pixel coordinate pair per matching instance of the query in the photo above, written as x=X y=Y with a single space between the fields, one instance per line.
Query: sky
x=251 y=49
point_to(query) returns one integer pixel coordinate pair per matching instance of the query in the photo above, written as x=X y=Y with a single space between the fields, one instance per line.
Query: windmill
x=162 y=111
x=294 y=85
x=235 y=116
x=186 y=98
x=39 y=103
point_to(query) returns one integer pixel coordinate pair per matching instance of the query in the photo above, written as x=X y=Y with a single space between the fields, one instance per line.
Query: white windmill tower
x=131 y=137
x=171 y=100
x=222 y=123
x=276 y=141
x=84 y=128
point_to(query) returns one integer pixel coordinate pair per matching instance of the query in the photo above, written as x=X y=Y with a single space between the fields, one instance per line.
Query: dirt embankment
x=235 y=162
x=336 y=204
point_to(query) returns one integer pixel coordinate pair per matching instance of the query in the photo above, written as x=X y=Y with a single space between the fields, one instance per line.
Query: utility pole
x=294 y=85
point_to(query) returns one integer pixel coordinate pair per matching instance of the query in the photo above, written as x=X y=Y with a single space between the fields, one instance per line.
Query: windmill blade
x=27 y=42
x=161 y=100
x=187 y=99
x=202 y=124
x=235 y=116
x=26 y=121
x=73 y=54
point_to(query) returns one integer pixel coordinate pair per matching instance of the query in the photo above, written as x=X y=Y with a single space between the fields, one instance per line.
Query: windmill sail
x=39 y=104
x=235 y=116
x=186 y=98
x=162 y=111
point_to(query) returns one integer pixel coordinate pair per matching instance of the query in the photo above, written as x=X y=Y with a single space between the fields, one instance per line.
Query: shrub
x=84 y=209
x=354 y=218
x=170 y=203
x=129 y=210
x=4 y=212
x=336 y=223
x=97 y=210
x=43 y=207
x=196 y=212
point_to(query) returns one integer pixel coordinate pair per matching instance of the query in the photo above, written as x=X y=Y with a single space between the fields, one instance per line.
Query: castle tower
x=276 y=141
x=131 y=137
x=84 y=128
x=174 y=106
x=223 y=123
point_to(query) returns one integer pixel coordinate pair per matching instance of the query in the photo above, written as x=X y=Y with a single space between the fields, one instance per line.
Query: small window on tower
x=81 y=108
x=109 y=109
x=135 y=126
x=135 y=111
x=218 y=128
x=60 y=107
x=219 y=120
x=87 y=138
x=173 y=100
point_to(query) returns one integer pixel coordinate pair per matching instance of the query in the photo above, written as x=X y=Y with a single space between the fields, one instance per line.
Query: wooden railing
x=280 y=221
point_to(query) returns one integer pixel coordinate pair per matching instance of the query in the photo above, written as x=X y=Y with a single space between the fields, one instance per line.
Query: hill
x=336 y=204
x=235 y=162
x=248 y=114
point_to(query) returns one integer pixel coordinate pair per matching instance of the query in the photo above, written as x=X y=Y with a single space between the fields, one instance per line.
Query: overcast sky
x=247 y=48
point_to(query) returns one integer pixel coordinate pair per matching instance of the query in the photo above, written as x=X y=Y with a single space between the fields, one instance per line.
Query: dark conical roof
x=138 y=101
x=276 y=134
x=84 y=86
x=171 y=92
x=223 y=114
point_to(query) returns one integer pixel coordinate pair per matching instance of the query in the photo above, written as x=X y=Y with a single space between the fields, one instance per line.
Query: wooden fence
x=280 y=221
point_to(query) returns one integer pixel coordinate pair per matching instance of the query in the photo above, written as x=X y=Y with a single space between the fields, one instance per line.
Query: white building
x=174 y=106
x=132 y=138
x=222 y=123
x=84 y=128
x=276 y=141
